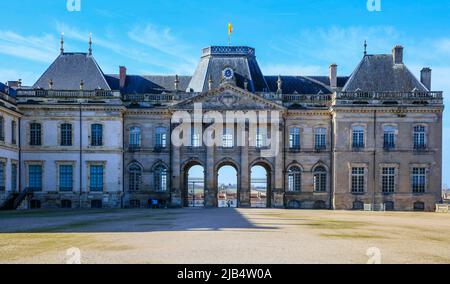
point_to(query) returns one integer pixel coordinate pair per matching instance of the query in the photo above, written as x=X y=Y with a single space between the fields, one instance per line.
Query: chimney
x=397 y=54
x=122 y=76
x=279 y=85
x=333 y=76
x=176 y=83
x=425 y=77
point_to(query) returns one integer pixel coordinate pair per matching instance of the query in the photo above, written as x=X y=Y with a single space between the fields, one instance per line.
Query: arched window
x=135 y=137
x=135 y=177
x=161 y=137
x=295 y=179
x=66 y=134
x=160 y=175
x=420 y=141
x=320 y=179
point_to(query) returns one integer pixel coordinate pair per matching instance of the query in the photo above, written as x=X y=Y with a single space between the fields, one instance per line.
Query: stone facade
x=369 y=139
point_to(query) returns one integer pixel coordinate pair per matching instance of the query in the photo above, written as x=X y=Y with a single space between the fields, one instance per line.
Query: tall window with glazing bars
x=65 y=177
x=66 y=134
x=2 y=129
x=294 y=138
x=35 y=134
x=96 y=135
x=358 y=180
x=96 y=178
x=420 y=141
x=419 y=176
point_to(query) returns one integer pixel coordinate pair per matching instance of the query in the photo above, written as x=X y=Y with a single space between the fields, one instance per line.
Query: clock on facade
x=228 y=73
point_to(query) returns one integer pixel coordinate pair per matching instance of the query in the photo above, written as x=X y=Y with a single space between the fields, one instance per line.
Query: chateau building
x=82 y=138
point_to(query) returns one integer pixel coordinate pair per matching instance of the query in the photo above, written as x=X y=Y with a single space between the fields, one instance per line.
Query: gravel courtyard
x=185 y=236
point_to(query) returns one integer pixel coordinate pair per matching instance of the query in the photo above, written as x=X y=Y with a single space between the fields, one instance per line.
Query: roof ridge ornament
x=62 y=43
x=365 y=47
x=90 y=43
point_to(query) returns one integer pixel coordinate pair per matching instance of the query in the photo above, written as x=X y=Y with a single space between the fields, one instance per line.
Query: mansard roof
x=215 y=59
x=69 y=69
x=379 y=73
x=135 y=84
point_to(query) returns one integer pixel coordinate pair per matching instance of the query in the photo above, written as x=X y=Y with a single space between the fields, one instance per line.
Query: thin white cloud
x=286 y=69
x=162 y=40
x=34 y=48
x=131 y=50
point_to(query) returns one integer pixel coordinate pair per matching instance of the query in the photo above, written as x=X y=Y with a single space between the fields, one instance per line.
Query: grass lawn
x=223 y=236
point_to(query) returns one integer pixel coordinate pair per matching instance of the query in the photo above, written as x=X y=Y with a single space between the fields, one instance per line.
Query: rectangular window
x=261 y=136
x=419 y=137
x=358 y=180
x=195 y=138
x=294 y=138
x=161 y=137
x=66 y=178
x=35 y=134
x=135 y=138
x=388 y=180
x=2 y=176
x=96 y=135
x=14 y=177
x=418 y=180
x=35 y=177
x=320 y=139
x=227 y=138
x=13 y=132
x=96 y=178
x=358 y=138
x=2 y=129
x=389 y=138
x=66 y=134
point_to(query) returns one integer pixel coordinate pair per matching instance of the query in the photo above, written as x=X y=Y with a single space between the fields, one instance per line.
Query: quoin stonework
x=79 y=138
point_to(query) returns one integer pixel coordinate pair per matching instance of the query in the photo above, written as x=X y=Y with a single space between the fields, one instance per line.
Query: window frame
x=160 y=178
x=358 y=137
x=97 y=137
x=35 y=134
x=320 y=138
x=320 y=176
x=66 y=135
x=295 y=138
x=295 y=179
x=134 y=177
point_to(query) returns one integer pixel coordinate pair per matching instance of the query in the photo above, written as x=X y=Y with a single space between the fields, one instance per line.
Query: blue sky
x=290 y=37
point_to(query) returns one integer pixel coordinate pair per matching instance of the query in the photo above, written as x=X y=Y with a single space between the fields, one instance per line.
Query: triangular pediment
x=229 y=97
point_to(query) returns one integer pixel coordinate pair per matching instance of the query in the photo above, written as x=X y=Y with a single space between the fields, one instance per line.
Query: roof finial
x=90 y=43
x=62 y=43
x=365 y=47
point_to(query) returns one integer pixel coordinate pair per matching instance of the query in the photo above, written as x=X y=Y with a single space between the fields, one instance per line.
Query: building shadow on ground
x=131 y=221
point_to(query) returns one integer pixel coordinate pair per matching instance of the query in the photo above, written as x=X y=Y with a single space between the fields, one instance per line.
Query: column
x=244 y=194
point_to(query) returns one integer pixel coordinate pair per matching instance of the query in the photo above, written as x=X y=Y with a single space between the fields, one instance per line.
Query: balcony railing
x=313 y=99
x=399 y=97
x=158 y=97
x=67 y=94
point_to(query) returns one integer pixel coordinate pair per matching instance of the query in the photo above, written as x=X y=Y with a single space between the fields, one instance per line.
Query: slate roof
x=8 y=91
x=67 y=71
x=297 y=84
x=378 y=73
x=135 y=84
x=216 y=58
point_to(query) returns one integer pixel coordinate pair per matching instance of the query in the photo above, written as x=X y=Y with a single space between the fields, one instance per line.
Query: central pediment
x=229 y=97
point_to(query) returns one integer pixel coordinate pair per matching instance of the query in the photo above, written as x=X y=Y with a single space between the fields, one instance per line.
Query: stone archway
x=261 y=185
x=227 y=190
x=194 y=179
